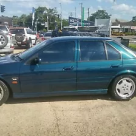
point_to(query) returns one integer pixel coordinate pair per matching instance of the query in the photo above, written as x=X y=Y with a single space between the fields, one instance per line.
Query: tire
x=29 y=44
x=19 y=37
x=4 y=93
x=123 y=87
x=3 y=40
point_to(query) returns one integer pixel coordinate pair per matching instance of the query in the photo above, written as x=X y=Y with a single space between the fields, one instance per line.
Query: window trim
x=79 y=55
x=75 y=42
x=113 y=48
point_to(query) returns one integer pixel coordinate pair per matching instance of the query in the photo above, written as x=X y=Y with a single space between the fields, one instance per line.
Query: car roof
x=80 y=38
x=17 y=27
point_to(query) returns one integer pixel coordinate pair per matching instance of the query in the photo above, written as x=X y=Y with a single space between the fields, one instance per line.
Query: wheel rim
x=125 y=87
x=1 y=92
x=2 y=40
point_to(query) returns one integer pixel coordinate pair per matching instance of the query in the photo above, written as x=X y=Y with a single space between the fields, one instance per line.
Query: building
x=119 y=26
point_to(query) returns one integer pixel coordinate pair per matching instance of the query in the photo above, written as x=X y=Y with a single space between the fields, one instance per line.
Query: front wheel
x=124 y=87
x=4 y=93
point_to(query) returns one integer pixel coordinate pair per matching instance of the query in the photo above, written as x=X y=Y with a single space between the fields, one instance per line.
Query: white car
x=23 y=36
x=6 y=45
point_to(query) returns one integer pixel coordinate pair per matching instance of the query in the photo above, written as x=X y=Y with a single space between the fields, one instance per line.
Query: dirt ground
x=68 y=116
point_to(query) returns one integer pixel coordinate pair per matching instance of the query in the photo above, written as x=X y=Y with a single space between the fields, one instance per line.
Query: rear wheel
x=4 y=93
x=124 y=87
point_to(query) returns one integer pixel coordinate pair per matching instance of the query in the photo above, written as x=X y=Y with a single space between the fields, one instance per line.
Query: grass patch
x=132 y=46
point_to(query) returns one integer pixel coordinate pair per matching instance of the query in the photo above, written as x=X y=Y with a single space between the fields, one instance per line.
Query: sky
x=120 y=9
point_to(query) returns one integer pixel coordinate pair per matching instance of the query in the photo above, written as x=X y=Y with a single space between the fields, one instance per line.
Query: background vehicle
x=6 y=45
x=45 y=36
x=70 y=66
x=23 y=36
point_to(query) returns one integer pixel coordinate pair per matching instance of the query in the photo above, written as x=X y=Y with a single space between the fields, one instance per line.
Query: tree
x=100 y=14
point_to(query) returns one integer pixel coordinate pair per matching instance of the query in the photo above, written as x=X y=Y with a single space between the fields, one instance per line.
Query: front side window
x=92 y=50
x=58 y=52
x=113 y=54
x=29 y=31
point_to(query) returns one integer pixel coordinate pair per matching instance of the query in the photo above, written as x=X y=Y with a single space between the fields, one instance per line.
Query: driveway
x=68 y=116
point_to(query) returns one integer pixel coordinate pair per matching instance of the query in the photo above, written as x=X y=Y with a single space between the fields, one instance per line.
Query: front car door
x=98 y=64
x=56 y=71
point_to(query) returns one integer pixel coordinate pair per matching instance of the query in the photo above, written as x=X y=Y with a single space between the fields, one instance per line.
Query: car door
x=56 y=71
x=98 y=64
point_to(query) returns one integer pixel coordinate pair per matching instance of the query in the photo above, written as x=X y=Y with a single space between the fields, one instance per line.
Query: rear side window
x=92 y=50
x=113 y=54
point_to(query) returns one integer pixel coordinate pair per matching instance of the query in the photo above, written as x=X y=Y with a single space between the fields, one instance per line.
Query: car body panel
x=93 y=77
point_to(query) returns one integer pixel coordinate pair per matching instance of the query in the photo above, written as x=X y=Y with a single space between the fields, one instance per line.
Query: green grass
x=132 y=46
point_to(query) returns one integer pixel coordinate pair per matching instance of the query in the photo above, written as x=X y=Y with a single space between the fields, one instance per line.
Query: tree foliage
x=100 y=14
x=41 y=15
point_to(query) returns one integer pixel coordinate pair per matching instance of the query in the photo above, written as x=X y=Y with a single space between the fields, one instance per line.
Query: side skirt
x=59 y=93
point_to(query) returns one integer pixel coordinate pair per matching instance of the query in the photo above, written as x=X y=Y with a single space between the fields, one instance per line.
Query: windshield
x=32 y=50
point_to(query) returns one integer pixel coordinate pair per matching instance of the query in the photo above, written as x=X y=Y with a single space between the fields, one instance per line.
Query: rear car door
x=97 y=64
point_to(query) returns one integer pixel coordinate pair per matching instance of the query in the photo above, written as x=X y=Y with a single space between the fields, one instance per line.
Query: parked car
x=45 y=36
x=23 y=36
x=70 y=66
x=6 y=45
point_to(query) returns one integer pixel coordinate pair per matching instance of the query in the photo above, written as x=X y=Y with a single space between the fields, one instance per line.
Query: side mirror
x=36 y=61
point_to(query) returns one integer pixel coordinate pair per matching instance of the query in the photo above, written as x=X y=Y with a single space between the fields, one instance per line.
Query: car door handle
x=115 y=66
x=68 y=68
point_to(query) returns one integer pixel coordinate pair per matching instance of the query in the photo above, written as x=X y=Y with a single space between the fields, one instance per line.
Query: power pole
x=81 y=12
x=88 y=12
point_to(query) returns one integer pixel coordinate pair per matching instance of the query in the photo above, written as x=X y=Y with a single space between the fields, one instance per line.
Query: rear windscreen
x=16 y=31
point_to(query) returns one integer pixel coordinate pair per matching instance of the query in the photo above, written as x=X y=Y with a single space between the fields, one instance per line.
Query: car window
x=16 y=31
x=29 y=52
x=59 y=52
x=3 y=28
x=47 y=34
x=92 y=50
x=29 y=31
x=113 y=54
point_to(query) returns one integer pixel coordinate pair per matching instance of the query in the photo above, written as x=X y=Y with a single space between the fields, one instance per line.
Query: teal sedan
x=70 y=66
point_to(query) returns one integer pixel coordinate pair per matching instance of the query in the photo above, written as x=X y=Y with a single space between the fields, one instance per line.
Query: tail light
x=11 y=46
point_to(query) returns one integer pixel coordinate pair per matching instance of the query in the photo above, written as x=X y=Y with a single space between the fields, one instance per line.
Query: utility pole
x=88 y=12
x=61 y=15
x=81 y=12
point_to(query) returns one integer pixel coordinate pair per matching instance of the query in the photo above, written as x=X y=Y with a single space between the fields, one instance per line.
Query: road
x=68 y=116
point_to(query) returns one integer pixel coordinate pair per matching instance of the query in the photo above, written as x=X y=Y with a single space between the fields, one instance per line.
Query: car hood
x=6 y=59
x=8 y=65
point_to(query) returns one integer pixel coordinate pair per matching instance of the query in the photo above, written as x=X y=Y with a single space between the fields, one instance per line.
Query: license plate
x=19 y=42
